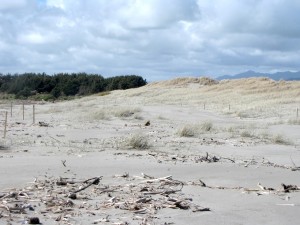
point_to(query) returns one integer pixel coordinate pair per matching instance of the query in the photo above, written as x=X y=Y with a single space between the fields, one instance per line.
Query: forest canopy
x=64 y=84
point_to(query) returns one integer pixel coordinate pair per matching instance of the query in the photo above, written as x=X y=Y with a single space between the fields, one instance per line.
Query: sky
x=156 y=39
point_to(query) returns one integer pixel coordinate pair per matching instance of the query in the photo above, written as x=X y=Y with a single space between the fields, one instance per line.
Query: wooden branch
x=95 y=182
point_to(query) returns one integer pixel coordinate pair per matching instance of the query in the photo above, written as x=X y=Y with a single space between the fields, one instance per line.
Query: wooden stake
x=297 y=112
x=33 y=114
x=23 y=110
x=204 y=106
x=229 y=107
x=11 y=105
x=5 y=125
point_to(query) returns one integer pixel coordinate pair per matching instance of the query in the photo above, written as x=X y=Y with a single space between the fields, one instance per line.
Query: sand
x=90 y=137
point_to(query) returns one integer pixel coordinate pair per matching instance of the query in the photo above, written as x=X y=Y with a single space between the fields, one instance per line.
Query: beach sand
x=199 y=160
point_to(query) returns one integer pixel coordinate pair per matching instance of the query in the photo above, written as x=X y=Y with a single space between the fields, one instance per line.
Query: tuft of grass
x=5 y=96
x=3 y=147
x=137 y=141
x=188 y=131
x=138 y=117
x=192 y=130
x=100 y=115
x=125 y=112
x=247 y=133
x=294 y=121
x=104 y=93
x=264 y=136
x=206 y=126
x=42 y=97
x=280 y=139
x=242 y=114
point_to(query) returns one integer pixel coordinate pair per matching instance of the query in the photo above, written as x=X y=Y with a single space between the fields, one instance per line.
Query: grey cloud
x=12 y=4
x=154 y=38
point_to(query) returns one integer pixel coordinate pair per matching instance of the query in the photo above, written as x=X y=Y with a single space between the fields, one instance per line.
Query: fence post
x=33 y=113
x=5 y=125
x=11 y=105
x=23 y=110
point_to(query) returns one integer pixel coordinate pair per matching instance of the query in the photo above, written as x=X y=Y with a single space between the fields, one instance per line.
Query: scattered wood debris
x=209 y=158
x=66 y=200
x=267 y=163
x=43 y=124
x=259 y=191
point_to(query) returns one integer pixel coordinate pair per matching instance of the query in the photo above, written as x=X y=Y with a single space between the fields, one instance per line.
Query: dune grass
x=194 y=130
x=137 y=141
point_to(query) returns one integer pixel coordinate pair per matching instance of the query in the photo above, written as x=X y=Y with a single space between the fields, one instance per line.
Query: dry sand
x=231 y=150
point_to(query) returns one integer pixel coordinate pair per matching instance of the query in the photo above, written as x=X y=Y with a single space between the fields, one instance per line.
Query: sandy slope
x=253 y=143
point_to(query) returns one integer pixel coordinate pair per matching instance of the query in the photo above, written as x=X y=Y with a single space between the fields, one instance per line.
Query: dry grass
x=247 y=133
x=106 y=113
x=104 y=93
x=188 y=131
x=280 y=139
x=194 y=130
x=185 y=81
x=256 y=133
x=248 y=98
x=294 y=121
x=124 y=112
x=137 y=141
x=100 y=115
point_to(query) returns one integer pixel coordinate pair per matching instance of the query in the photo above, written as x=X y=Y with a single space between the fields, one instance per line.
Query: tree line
x=64 y=84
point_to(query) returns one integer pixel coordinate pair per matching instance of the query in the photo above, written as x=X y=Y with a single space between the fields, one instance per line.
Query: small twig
x=95 y=182
x=64 y=162
x=55 y=139
x=233 y=161
x=202 y=184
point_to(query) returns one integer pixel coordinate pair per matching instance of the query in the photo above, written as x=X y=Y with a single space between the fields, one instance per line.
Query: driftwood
x=261 y=189
x=43 y=124
x=95 y=181
x=142 y=196
x=209 y=158
x=290 y=188
x=61 y=199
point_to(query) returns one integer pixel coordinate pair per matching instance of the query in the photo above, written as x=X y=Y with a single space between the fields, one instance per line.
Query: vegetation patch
x=193 y=130
x=137 y=141
x=100 y=115
x=247 y=133
x=294 y=121
x=280 y=139
x=125 y=112
x=104 y=93
x=28 y=85
x=188 y=131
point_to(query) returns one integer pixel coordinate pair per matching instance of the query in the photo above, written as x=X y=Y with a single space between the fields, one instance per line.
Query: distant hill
x=275 y=76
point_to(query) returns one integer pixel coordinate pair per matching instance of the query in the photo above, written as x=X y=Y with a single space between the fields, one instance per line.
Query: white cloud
x=141 y=14
x=38 y=38
x=153 y=38
x=56 y=3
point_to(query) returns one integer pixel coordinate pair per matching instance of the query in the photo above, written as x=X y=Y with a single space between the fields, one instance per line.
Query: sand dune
x=211 y=153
